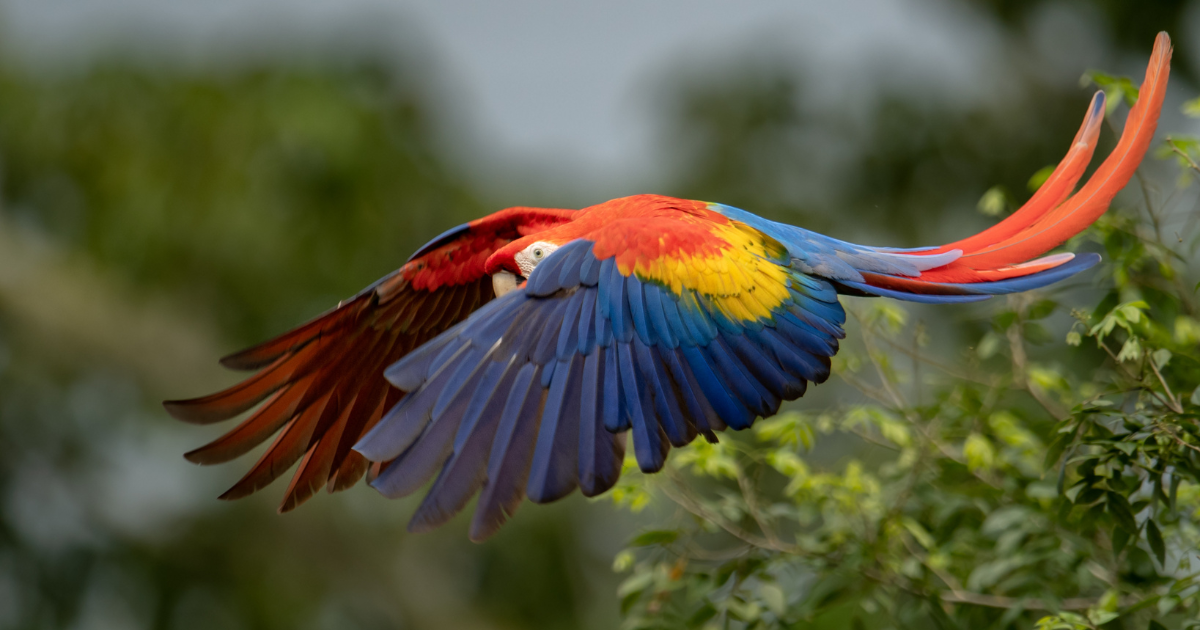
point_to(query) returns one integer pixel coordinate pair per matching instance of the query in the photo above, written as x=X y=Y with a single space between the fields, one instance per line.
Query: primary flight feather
x=512 y=356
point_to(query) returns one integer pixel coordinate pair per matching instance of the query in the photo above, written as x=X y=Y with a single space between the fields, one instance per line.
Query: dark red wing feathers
x=323 y=383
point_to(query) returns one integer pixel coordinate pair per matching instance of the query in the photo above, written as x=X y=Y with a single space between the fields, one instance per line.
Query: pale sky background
x=565 y=84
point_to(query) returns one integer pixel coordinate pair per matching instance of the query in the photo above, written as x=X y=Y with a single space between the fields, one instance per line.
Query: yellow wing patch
x=740 y=277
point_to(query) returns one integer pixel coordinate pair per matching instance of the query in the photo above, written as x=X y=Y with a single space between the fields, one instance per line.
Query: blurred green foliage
x=269 y=193
x=1050 y=477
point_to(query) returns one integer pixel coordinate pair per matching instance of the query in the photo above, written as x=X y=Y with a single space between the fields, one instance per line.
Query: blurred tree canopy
x=1046 y=476
x=1001 y=467
x=260 y=190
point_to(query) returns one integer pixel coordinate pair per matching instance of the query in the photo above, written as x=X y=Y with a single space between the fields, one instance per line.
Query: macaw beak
x=504 y=282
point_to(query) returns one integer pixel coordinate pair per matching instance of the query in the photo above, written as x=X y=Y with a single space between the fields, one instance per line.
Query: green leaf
x=989 y=345
x=1120 y=539
x=988 y=573
x=1088 y=495
x=1040 y=177
x=1101 y=617
x=994 y=202
x=704 y=613
x=980 y=454
x=1131 y=351
x=1116 y=88
x=1154 y=537
x=919 y=533
x=1055 y=450
x=1154 y=625
x=772 y=595
x=1191 y=107
x=1122 y=512
x=1161 y=357
x=635 y=583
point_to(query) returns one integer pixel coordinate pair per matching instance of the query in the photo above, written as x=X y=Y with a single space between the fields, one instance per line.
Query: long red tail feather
x=1048 y=220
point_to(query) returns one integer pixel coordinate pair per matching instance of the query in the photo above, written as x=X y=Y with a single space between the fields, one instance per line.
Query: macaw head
x=511 y=265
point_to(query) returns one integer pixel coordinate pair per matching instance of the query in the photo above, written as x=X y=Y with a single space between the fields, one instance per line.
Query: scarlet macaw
x=520 y=348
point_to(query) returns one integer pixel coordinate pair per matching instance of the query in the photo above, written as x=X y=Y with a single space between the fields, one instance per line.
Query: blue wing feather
x=618 y=314
x=590 y=400
x=647 y=444
x=730 y=409
x=509 y=460
x=750 y=392
x=615 y=418
x=670 y=416
x=601 y=452
x=568 y=335
x=692 y=404
x=465 y=471
x=406 y=421
x=552 y=475
x=590 y=270
x=568 y=276
x=637 y=309
x=658 y=320
x=760 y=367
x=587 y=328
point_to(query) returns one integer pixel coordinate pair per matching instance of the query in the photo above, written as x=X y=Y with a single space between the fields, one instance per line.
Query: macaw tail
x=995 y=260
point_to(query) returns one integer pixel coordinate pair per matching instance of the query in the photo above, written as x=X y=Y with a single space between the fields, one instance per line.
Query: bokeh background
x=179 y=180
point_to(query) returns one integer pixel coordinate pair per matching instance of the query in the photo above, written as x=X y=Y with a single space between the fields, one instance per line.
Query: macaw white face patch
x=528 y=258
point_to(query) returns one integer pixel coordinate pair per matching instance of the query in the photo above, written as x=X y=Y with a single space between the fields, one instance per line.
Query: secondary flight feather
x=519 y=355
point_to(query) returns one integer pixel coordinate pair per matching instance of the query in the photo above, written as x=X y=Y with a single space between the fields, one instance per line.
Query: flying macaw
x=510 y=356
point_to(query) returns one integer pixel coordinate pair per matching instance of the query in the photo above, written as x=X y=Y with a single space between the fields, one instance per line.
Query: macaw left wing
x=666 y=327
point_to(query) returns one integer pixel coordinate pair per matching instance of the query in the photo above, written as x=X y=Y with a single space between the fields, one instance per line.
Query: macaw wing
x=319 y=387
x=531 y=395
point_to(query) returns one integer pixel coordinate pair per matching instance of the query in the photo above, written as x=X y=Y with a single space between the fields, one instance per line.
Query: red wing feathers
x=323 y=383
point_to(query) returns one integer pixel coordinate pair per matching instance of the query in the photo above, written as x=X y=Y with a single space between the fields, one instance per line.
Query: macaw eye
x=538 y=254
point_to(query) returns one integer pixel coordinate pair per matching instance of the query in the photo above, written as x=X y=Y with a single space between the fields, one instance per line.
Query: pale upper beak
x=504 y=282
